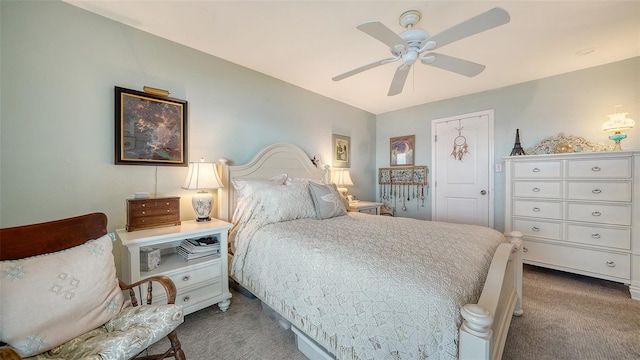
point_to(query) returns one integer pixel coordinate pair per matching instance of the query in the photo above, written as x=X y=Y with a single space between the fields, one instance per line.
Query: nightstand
x=199 y=282
x=367 y=207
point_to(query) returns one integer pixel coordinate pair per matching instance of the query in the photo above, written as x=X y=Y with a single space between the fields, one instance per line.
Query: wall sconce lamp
x=202 y=176
x=341 y=178
x=617 y=123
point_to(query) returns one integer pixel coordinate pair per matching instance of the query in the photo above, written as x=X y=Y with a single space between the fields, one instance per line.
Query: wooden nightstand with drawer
x=200 y=282
x=367 y=207
x=152 y=212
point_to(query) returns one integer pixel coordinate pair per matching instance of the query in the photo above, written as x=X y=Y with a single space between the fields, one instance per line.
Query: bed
x=357 y=286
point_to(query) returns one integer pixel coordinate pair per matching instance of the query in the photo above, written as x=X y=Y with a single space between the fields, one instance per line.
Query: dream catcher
x=460 y=146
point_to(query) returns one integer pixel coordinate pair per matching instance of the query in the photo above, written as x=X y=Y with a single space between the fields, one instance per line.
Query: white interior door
x=463 y=188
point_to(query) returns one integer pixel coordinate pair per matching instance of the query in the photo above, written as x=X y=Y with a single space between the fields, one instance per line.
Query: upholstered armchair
x=60 y=298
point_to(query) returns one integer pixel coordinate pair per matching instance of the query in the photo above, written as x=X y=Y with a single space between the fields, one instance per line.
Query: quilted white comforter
x=367 y=287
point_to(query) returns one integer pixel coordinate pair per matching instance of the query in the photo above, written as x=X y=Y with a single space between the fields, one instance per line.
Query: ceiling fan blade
x=399 y=78
x=377 y=30
x=454 y=64
x=363 y=68
x=485 y=21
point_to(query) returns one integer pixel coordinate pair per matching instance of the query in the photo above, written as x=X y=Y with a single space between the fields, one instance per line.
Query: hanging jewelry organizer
x=403 y=185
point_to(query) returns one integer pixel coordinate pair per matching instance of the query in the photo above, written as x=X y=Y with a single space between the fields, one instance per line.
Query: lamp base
x=617 y=137
x=202 y=204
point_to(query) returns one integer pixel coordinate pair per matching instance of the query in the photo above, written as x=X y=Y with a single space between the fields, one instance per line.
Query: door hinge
x=435 y=138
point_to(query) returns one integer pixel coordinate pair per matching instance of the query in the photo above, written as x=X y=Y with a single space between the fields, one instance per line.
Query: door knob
x=483 y=192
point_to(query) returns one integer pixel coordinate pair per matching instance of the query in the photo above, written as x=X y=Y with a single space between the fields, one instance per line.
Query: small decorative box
x=149 y=258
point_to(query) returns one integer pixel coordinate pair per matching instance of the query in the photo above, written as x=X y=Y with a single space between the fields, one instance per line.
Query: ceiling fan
x=415 y=44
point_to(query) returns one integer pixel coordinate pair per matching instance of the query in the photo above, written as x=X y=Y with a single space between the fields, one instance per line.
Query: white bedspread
x=368 y=287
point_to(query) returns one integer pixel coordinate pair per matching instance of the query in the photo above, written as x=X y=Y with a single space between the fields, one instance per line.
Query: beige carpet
x=566 y=316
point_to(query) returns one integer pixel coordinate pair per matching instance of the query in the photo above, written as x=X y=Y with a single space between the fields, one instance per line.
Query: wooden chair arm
x=169 y=288
x=7 y=353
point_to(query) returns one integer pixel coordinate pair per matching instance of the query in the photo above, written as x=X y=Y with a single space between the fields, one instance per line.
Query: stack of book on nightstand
x=196 y=248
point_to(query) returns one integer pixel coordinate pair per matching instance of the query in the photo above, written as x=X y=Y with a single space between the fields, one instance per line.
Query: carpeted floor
x=566 y=316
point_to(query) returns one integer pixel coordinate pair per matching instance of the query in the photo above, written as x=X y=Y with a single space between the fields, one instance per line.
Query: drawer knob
x=535 y=189
x=143 y=213
x=535 y=228
x=536 y=209
x=595 y=236
x=524 y=249
x=596 y=168
x=167 y=204
x=186 y=299
x=168 y=210
x=186 y=278
x=536 y=170
x=596 y=213
x=596 y=191
x=611 y=263
x=143 y=205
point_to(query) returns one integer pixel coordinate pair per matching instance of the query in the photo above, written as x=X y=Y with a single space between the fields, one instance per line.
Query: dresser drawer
x=193 y=276
x=600 y=213
x=611 y=237
x=146 y=221
x=538 y=228
x=606 y=263
x=599 y=190
x=538 y=209
x=537 y=169
x=537 y=189
x=600 y=168
x=193 y=297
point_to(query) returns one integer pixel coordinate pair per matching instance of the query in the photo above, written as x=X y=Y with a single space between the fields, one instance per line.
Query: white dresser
x=579 y=212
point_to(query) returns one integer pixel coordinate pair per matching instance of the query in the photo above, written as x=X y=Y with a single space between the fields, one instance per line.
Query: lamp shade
x=341 y=178
x=618 y=122
x=202 y=176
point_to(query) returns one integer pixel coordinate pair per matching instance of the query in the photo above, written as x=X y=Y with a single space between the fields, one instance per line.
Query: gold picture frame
x=341 y=151
x=151 y=129
x=402 y=150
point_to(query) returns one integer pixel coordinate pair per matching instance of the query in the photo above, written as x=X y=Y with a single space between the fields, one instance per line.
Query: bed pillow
x=49 y=299
x=327 y=201
x=246 y=187
x=299 y=180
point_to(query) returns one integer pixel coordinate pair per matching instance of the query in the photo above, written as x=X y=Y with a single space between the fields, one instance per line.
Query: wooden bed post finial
x=475 y=332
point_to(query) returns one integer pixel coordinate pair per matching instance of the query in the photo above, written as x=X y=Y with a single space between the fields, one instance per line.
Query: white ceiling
x=307 y=42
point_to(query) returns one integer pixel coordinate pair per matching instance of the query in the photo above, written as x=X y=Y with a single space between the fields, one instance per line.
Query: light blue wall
x=58 y=67
x=575 y=103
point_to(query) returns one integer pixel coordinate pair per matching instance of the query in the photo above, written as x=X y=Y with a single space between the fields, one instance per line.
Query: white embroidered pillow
x=246 y=187
x=50 y=299
x=327 y=201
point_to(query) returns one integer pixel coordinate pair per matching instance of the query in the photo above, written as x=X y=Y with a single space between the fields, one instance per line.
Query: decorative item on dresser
x=367 y=207
x=200 y=282
x=152 y=212
x=578 y=212
x=617 y=123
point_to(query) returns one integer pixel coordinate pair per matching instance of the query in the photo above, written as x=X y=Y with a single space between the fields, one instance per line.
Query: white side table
x=367 y=207
x=200 y=282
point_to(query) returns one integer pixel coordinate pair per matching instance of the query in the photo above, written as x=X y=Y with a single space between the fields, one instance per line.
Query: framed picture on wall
x=151 y=129
x=341 y=151
x=402 y=150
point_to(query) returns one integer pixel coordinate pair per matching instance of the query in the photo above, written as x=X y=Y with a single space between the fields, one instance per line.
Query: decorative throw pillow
x=327 y=201
x=246 y=187
x=49 y=299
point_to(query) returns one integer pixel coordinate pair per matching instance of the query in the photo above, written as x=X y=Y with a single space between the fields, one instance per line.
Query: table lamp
x=202 y=176
x=617 y=123
x=341 y=178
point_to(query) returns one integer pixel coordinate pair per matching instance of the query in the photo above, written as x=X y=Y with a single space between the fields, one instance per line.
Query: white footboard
x=486 y=324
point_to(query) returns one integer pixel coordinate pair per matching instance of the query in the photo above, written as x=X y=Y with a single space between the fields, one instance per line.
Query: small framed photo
x=150 y=129
x=341 y=151
x=402 y=150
